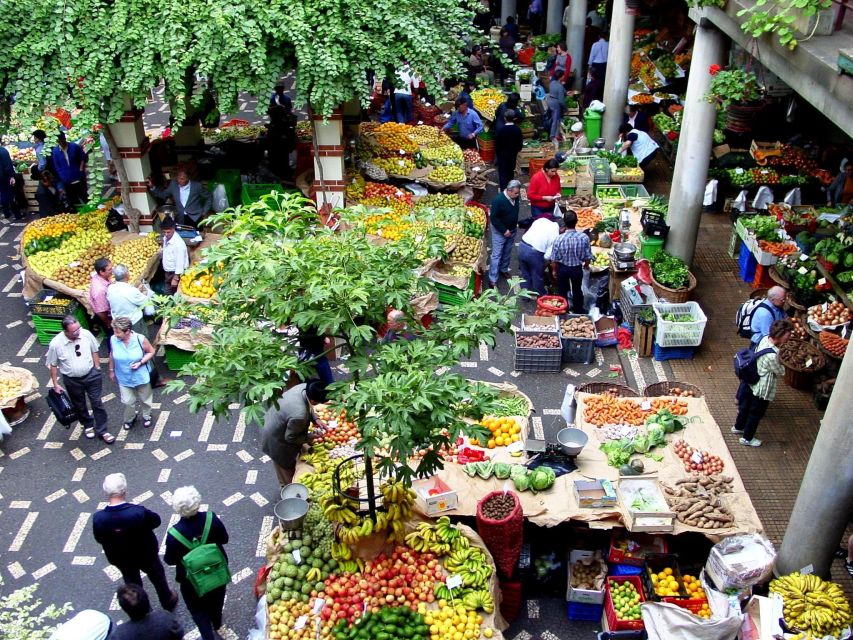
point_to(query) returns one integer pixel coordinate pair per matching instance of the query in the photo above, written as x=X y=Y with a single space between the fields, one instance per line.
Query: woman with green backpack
x=194 y=546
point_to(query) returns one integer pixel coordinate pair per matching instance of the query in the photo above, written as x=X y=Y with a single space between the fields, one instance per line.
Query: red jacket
x=541 y=185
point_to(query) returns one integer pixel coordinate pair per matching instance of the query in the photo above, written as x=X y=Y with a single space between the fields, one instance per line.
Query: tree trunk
x=317 y=162
x=133 y=214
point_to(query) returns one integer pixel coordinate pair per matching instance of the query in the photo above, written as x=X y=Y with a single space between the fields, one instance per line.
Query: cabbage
x=641 y=444
x=517 y=470
x=521 y=481
x=618 y=452
x=502 y=470
x=656 y=435
x=541 y=480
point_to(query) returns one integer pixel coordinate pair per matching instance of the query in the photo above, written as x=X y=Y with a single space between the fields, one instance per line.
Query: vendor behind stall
x=580 y=143
x=50 y=199
x=469 y=124
x=176 y=258
x=192 y=201
x=841 y=189
x=69 y=162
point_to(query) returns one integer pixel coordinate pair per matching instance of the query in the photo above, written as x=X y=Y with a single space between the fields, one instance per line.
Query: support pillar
x=330 y=161
x=618 y=71
x=694 y=146
x=188 y=139
x=822 y=509
x=554 y=23
x=132 y=151
x=575 y=38
x=507 y=10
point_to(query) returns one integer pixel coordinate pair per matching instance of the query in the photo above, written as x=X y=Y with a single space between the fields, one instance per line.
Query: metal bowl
x=571 y=441
x=624 y=250
x=294 y=490
x=291 y=513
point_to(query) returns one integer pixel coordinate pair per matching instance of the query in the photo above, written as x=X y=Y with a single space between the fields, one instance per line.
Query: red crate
x=693 y=606
x=762 y=279
x=614 y=623
x=649 y=544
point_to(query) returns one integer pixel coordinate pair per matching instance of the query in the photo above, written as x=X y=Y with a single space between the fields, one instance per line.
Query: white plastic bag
x=220 y=199
x=666 y=621
x=762 y=198
x=740 y=201
x=596 y=105
x=793 y=197
x=260 y=630
x=710 y=193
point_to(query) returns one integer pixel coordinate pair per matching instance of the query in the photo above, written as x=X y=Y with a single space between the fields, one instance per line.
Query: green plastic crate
x=47 y=327
x=230 y=179
x=253 y=192
x=454 y=296
x=177 y=358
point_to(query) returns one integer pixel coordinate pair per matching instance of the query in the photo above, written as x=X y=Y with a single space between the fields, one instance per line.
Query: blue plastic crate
x=623 y=570
x=672 y=353
x=585 y=612
x=747 y=263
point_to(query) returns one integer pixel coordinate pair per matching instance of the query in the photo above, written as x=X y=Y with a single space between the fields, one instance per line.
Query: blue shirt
x=762 y=318
x=123 y=356
x=468 y=124
x=572 y=249
x=68 y=171
x=42 y=161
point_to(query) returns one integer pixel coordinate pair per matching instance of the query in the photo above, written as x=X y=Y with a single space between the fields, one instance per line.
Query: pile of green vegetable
x=834 y=251
x=670 y=271
x=677 y=317
x=618 y=159
x=535 y=480
x=762 y=227
x=658 y=425
x=508 y=405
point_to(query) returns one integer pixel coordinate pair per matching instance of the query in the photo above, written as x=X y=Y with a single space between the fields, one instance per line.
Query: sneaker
x=755 y=442
x=737 y=431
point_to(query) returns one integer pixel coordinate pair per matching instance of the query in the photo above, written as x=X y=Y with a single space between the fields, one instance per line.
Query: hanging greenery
x=778 y=17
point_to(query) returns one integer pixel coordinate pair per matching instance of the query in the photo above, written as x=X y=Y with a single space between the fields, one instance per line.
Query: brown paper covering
x=28 y=381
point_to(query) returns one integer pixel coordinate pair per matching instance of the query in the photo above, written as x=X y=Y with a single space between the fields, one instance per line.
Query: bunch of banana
x=341 y=552
x=439 y=539
x=472 y=565
x=479 y=599
x=337 y=510
x=314 y=574
x=397 y=499
x=351 y=534
x=812 y=604
x=351 y=566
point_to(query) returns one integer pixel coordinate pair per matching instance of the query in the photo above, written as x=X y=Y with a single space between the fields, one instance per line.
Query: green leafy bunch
x=707 y=3
x=778 y=17
x=732 y=86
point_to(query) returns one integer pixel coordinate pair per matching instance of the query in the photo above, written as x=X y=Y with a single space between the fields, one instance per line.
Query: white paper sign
x=646 y=405
x=454 y=581
x=808 y=363
x=296 y=556
x=808 y=569
x=300 y=623
x=803 y=257
x=822 y=281
x=802 y=271
x=696 y=457
x=319 y=603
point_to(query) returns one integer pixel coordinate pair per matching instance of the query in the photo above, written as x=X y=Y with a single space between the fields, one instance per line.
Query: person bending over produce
x=639 y=143
x=286 y=427
x=753 y=400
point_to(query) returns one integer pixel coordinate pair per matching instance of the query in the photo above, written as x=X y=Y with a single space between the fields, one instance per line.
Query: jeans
x=78 y=389
x=571 y=278
x=532 y=265
x=405 y=108
x=538 y=212
x=205 y=610
x=501 y=252
x=153 y=568
x=750 y=410
x=324 y=369
x=131 y=395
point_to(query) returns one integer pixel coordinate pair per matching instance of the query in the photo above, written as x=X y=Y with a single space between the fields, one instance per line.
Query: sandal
x=146 y=422
x=128 y=425
x=849 y=566
x=107 y=437
x=841 y=553
x=90 y=433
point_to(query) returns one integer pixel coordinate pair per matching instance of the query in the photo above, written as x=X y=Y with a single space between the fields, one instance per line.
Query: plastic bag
x=260 y=630
x=762 y=198
x=740 y=201
x=596 y=105
x=664 y=620
x=793 y=197
x=220 y=199
x=710 y=193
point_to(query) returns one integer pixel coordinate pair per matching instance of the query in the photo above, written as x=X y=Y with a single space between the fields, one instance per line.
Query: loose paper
x=297 y=557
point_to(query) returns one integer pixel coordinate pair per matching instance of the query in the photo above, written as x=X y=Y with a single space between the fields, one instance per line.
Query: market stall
x=15 y=385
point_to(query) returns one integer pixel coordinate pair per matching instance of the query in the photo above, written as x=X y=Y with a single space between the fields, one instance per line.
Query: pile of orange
x=504 y=431
x=694 y=589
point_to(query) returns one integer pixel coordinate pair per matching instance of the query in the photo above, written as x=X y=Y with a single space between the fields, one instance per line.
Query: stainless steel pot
x=571 y=441
x=624 y=250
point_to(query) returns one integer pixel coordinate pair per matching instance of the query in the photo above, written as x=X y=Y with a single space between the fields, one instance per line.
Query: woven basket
x=663 y=388
x=803 y=378
x=619 y=390
x=674 y=296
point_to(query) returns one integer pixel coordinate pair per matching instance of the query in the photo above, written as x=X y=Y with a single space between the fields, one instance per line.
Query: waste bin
x=650 y=246
x=592 y=124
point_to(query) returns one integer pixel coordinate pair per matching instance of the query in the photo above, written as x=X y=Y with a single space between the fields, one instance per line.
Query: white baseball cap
x=577 y=126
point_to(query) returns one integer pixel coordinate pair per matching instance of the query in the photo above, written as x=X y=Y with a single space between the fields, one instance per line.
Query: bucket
x=650 y=246
x=291 y=513
x=295 y=490
x=592 y=124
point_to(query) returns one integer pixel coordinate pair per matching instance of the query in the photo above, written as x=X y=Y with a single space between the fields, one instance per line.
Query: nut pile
x=538 y=341
x=499 y=506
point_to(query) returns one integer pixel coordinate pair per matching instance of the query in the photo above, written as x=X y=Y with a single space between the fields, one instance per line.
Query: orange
x=475 y=442
x=490 y=444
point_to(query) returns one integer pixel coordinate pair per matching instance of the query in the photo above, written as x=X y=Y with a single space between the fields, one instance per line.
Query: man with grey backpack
x=755 y=316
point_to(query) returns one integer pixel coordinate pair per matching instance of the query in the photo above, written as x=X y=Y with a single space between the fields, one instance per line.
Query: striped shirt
x=769 y=369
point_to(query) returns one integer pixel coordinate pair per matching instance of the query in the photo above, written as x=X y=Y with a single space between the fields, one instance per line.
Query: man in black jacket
x=126 y=532
x=192 y=201
x=504 y=224
x=508 y=142
x=144 y=624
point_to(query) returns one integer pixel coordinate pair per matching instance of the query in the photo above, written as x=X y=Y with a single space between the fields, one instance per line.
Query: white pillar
x=822 y=508
x=575 y=38
x=694 y=146
x=618 y=71
x=554 y=23
x=507 y=10
x=330 y=146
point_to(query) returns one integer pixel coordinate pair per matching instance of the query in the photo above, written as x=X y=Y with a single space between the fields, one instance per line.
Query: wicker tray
x=672 y=295
x=776 y=277
x=662 y=389
x=620 y=390
x=803 y=379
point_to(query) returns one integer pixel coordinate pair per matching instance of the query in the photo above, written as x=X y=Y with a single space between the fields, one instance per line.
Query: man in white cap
x=581 y=144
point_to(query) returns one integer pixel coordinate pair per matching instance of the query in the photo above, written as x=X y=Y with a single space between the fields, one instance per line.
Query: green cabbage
x=502 y=470
x=656 y=435
x=641 y=444
x=541 y=479
x=517 y=470
x=521 y=481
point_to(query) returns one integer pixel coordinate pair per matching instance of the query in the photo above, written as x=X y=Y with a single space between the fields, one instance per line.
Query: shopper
x=176 y=258
x=544 y=189
x=313 y=347
x=467 y=121
x=39 y=137
x=593 y=89
x=130 y=367
x=598 y=55
x=467 y=88
x=126 y=532
x=7 y=185
x=280 y=99
x=69 y=163
x=639 y=144
x=556 y=103
x=535 y=13
x=191 y=199
x=570 y=255
x=127 y=301
x=74 y=353
x=561 y=66
x=509 y=141
x=99 y=282
x=636 y=118
x=512 y=28
x=143 y=623
x=504 y=225
x=535 y=250
x=88 y=624
x=513 y=103
x=50 y=199
x=841 y=189
x=286 y=426
x=753 y=400
x=766 y=313
x=205 y=527
x=403 y=95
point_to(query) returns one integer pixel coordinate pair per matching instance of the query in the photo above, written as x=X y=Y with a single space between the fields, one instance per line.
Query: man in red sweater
x=544 y=190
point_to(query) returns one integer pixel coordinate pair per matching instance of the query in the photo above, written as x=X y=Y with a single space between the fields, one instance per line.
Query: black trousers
x=506 y=169
x=206 y=610
x=571 y=277
x=750 y=410
x=153 y=568
x=91 y=386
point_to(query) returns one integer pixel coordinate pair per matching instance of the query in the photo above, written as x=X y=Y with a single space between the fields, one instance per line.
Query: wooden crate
x=30 y=187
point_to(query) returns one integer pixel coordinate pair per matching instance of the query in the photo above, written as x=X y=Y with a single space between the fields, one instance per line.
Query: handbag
x=153 y=373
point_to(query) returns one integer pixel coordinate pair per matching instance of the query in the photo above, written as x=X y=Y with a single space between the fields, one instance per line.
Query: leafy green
x=618 y=452
x=670 y=271
x=502 y=470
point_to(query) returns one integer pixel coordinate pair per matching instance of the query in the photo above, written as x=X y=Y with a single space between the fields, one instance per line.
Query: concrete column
x=694 y=146
x=330 y=161
x=554 y=23
x=132 y=147
x=507 y=10
x=188 y=139
x=574 y=39
x=822 y=508
x=618 y=71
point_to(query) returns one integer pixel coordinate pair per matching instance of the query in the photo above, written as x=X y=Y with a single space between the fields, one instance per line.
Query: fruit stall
x=15 y=385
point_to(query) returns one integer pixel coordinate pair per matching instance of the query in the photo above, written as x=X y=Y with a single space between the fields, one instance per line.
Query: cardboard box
x=605 y=329
x=762 y=618
x=434 y=495
x=594 y=494
x=660 y=519
x=721 y=150
x=587 y=596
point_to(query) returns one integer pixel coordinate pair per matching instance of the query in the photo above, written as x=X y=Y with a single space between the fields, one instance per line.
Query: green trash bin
x=592 y=125
x=650 y=246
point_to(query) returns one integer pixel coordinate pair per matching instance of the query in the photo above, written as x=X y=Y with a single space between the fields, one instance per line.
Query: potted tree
x=738 y=93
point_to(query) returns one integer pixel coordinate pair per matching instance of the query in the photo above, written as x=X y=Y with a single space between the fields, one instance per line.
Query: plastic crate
x=614 y=623
x=761 y=279
x=585 y=612
x=177 y=358
x=672 y=353
x=532 y=360
x=577 y=349
x=603 y=196
x=624 y=570
x=550 y=324
x=230 y=179
x=47 y=327
x=635 y=191
x=746 y=264
x=253 y=192
x=654 y=224
x=629 y=309
x=693 y=606
x=600 y=169
x=453 y=296
x=679 y=334
x=655 y=563
x=37 y=307
x=647 y=544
